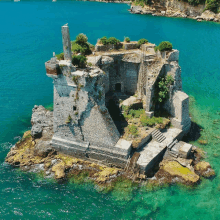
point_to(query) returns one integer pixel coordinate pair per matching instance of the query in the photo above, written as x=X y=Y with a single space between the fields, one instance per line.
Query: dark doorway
x=118 y=87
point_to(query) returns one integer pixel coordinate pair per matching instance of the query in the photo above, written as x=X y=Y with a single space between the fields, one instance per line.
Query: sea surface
x=30 y=32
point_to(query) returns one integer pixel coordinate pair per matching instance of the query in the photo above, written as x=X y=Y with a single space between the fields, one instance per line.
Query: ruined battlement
x=83 y=125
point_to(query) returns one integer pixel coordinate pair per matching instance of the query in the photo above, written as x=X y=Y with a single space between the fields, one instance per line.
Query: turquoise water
x=30 y=32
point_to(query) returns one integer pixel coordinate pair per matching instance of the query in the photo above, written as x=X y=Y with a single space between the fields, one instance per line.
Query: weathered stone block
x=52 y=68
x=149 y=114
x=130 y=45
x=123 y=146
x=185 y=150
x=173 y=55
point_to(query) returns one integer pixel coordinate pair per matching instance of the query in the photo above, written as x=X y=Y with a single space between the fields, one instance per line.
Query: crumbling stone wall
x=123 y=69
x=79 y=109
x=82 y=124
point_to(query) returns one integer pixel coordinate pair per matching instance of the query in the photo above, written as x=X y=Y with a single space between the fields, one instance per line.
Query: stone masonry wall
x=84 y=102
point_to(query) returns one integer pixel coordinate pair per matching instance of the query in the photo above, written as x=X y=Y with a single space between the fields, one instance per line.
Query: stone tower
x=82 y=124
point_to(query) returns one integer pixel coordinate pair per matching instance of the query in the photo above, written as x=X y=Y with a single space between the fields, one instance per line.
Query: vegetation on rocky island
x=142 y=3
x=142 y=41
x=81 y=45
x=127 y=40
x=162 y=88
x=60 y=56
x=212 y=5
x=138 y=124
x=164 y=46
x=79 y=61
x=111 y=40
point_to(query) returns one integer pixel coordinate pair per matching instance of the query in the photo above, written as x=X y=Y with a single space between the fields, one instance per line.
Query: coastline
x=175 y=12
x=179 y=10
x=49 y=163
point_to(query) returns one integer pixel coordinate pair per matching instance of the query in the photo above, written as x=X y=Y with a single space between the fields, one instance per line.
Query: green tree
x=142 y=41
x=79 y=61
x=81 y=39
x=164 y=46
x=212 y=5
x=127 y=39
x=162 y=88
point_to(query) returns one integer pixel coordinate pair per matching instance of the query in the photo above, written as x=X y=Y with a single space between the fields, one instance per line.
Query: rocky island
x=119 y=114
x=196 y=9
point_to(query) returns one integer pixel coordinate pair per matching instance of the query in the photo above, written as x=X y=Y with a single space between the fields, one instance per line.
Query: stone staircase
x=152 y=152
x=173 y=149
x=158 y=136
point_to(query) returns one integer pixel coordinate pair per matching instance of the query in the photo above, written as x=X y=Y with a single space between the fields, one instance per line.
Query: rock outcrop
x=204 y=169
x=41 y=120
x=175 y=170
x=175 y=8
x=208 y=16
x=59 y=170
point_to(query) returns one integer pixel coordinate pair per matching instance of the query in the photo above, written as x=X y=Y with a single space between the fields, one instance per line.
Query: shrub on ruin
x=142 y=41
x=162 y=88
x=113 y=40
x=133 y=130
x=79 y=61
x=83 y=49
x=60 y=56
x=104 y=40
x=146 y=121
x=165 y=46
x=81 y=45
x=76 y=47
x=127 y=39
x=136 y=113
x=212 y=5
x=81 y=39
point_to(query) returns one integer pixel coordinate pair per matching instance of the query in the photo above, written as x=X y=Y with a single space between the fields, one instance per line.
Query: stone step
x=169 y=146
x=162 y=138
x=173 y=154
x=158 y=136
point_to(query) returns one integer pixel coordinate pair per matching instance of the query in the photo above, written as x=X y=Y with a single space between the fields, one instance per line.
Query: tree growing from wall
x=162 y=88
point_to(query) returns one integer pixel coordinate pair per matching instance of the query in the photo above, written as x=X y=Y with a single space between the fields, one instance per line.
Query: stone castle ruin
x=85 y=102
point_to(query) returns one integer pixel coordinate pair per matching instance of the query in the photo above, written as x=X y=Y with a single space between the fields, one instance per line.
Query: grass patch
x=146 y=121
x=60 y=56
x=133 y=130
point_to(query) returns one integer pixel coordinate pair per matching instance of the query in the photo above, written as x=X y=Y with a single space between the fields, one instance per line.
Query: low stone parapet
x=116 y=155
x=107 y=47
x=130 y=45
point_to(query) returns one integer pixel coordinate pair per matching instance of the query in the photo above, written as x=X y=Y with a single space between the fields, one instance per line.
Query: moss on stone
x=175 y=169
x=59 y=170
